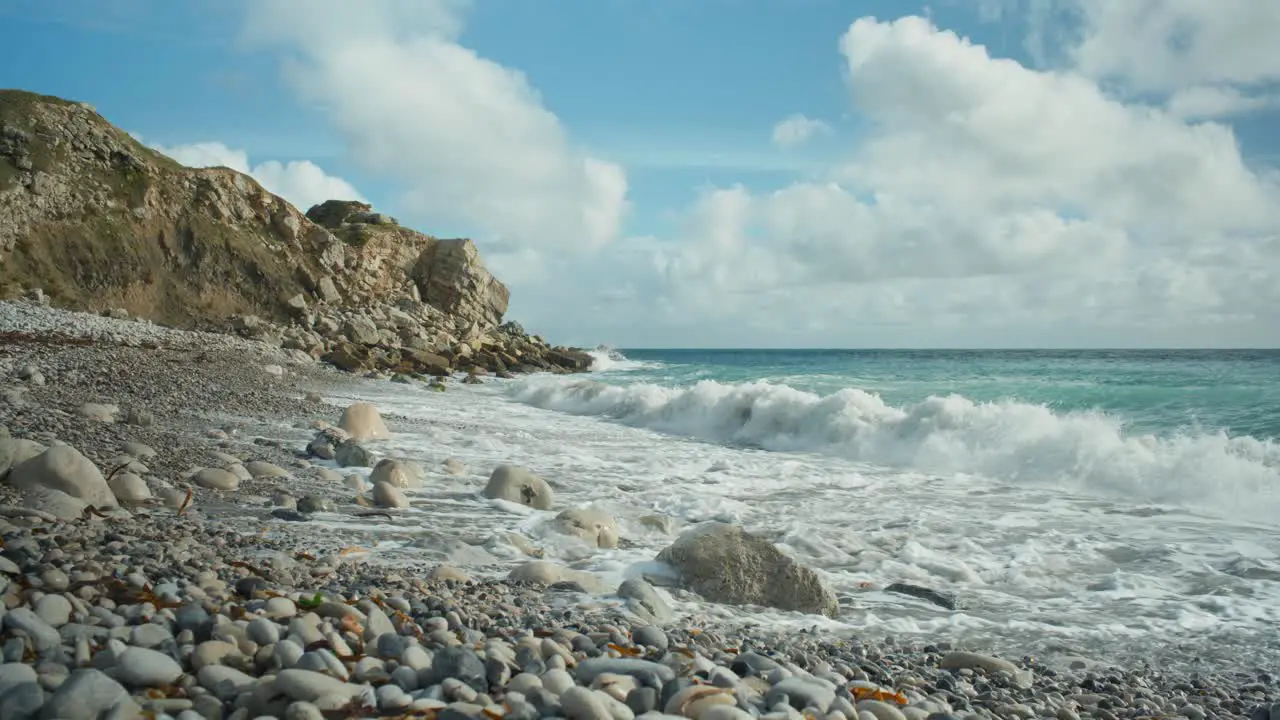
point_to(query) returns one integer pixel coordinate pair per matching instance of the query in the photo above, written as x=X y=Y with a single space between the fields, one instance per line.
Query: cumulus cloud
x=989 y=195
x=301 y=182
x=1204 y=103
x=1168 y=46
x=467 y=138
x=797 y=129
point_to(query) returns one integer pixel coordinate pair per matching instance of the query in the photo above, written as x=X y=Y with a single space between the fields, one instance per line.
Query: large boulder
x=64 y=469
x=388 y=496
x=450 y=277
x=363 y=422
x=725 y=564
x=398 y=473
x=518 y=485
x=594 y=526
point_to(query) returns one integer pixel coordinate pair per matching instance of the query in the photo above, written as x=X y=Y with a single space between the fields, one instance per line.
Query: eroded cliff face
x=100 y=222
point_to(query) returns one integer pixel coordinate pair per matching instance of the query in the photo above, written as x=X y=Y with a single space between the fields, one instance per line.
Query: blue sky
x=682 y=99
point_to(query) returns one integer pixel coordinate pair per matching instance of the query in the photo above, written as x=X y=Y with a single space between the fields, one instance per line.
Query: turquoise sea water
x=1157 y=391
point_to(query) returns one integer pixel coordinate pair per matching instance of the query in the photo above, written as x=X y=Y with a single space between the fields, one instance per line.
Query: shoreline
x=209 y=393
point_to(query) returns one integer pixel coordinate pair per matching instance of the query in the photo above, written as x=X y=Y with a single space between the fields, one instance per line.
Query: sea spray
x=1007 y=440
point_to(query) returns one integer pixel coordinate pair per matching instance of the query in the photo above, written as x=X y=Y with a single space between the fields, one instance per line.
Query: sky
x=746 y=173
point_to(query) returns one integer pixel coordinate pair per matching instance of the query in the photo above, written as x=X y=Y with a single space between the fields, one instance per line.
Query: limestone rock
x=129 y=489
x=541 y=572
x=449 y=276
x=595 y=526
x=363 y=422
x=518 y=485
x=389 y=496
x=352 y=454
x=100 y=412
x=264 y=469
x=216 y=479
x=725 y=564
x=398 y=473
x=63 y=468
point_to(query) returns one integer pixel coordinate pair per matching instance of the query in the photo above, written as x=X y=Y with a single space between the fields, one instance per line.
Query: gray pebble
x=87 y=695
x=460 y=663
x=21 y=702
x=43 y=636
x=140 y=667
x=650 y=636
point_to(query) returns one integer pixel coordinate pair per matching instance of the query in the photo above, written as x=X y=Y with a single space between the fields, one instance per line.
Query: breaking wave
x=1007 y=441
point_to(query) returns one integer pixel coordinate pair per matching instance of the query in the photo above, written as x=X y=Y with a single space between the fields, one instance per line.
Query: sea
x=1080 y=506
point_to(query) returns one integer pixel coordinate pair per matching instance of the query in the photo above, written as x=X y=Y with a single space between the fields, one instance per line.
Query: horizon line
x=948 y=349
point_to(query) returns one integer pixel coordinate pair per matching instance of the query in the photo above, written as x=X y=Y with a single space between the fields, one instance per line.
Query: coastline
x=211 y=393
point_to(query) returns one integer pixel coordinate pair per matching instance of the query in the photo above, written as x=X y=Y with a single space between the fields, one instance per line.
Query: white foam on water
x=934 y=496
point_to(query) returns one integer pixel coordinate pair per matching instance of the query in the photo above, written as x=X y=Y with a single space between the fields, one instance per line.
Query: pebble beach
x=206 y=592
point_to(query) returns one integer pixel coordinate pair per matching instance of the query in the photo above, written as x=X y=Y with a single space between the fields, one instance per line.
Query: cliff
x=100 y=222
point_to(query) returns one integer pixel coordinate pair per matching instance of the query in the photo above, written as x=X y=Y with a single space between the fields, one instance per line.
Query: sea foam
x=1009 y=441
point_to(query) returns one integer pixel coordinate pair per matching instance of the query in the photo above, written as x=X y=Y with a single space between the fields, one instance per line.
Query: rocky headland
x=92 y=220
x=174 y=435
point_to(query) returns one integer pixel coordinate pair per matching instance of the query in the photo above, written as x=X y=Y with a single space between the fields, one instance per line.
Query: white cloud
x=797 y=129
x=301 y=182
x=1176 y=44
x=991 y=199
x=1208 y=102
x=468 y=139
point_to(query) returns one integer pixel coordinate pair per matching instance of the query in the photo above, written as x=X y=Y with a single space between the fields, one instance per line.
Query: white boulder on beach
x=519 y=485
x=362 y=421
x=64 y=469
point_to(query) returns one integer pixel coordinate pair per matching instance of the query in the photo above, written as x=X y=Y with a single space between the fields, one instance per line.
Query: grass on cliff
x=21 y=109
x=195 y=274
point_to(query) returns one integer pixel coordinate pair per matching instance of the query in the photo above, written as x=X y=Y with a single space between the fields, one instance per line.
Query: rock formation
x=97 y=221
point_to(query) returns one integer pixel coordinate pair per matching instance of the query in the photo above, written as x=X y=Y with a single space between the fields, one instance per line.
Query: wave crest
x=1009 y=441
x=607 y=359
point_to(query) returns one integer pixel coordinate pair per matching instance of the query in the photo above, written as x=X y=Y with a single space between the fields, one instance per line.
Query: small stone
x=86 y=695
x=15 y=674
x=650 y=636
x=579 y=703
x=140 y=667
x=22 y=702
x=308 y=686
x=216 y=479
x=43 y=636
x=280 y=608
x=460 y=663
x=264 y=469
x=149 y=635
x=263 y=631
x=138 y=450
x=303 y=711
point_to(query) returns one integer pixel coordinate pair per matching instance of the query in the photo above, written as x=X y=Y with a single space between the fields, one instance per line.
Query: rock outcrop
x=97 y=221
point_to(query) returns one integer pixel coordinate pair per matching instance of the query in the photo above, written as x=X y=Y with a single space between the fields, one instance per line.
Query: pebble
x=140 y=667
x=87 y=695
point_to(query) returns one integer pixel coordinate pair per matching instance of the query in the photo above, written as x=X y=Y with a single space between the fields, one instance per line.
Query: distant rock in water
x=941 y=599
x=93 y=220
